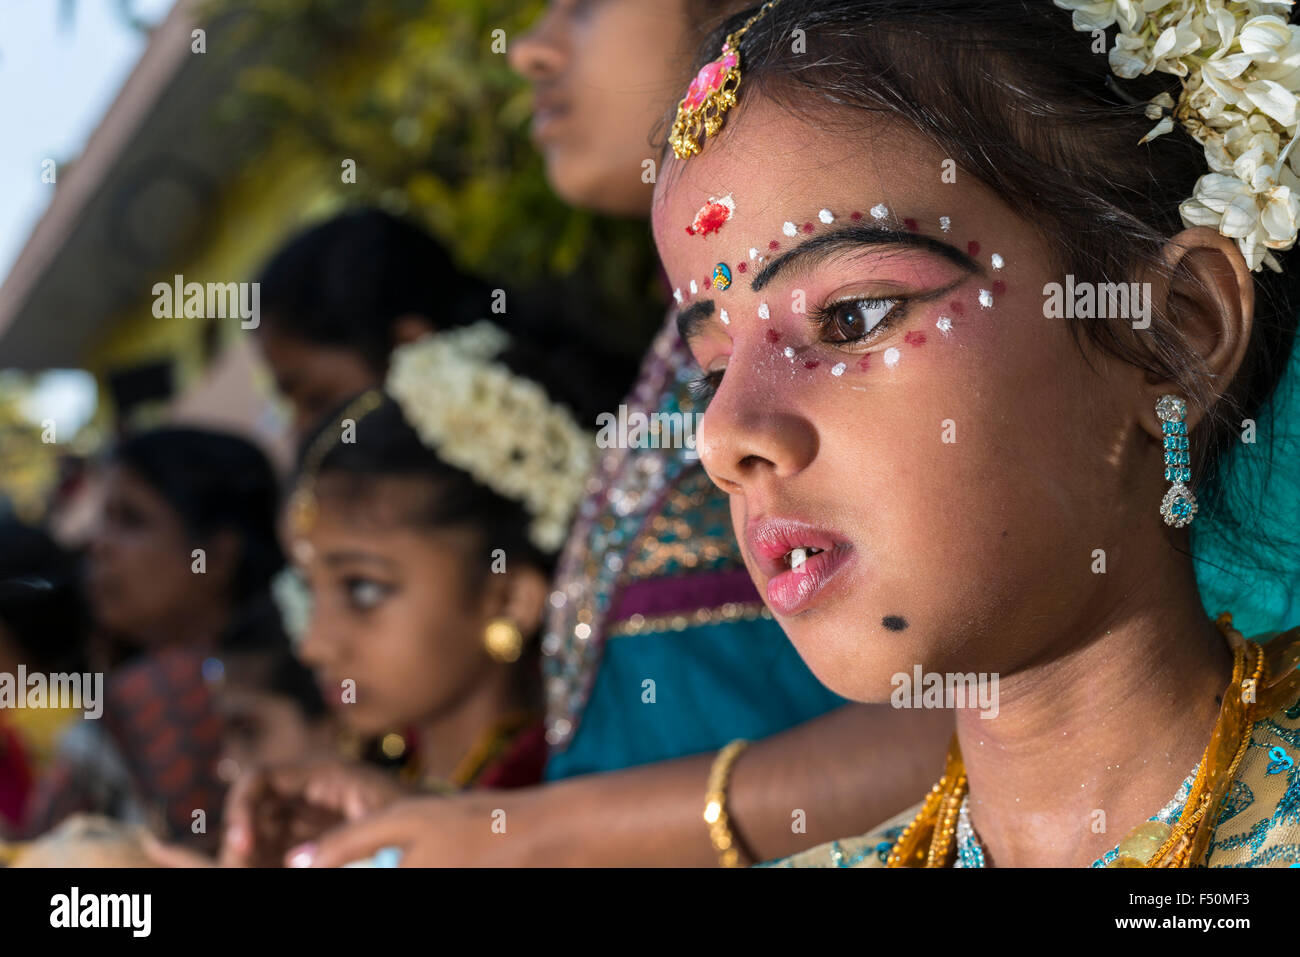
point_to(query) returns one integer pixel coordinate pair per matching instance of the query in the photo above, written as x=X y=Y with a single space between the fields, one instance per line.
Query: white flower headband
x=499 y=427
x=1239 y=61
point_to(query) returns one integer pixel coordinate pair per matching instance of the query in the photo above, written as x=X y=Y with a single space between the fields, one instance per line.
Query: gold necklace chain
x=929 y=840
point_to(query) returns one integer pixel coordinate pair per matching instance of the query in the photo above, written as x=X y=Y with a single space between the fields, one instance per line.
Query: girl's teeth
x=797 y=558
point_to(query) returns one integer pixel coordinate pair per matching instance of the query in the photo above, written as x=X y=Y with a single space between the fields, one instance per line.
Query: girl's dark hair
x=1022 y=103
x=41 y=607
x=575 y=374
x=215 y=482
x=345 y=281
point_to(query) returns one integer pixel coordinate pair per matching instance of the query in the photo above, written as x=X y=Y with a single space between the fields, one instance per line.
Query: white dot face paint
x=826 y=216
x=944 y=324
x=892 y=356
x=677 y=294
x=726 y=319
x=694 y=288
x=998 y=261
x=753 y=253
x=880 y=211
x=789 y=229
x=838 y=368
x=789 y=352
x=763 y=311
x=986 y=299
x=945 y=224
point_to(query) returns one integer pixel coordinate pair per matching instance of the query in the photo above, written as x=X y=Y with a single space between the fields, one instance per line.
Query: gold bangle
x=724 y=841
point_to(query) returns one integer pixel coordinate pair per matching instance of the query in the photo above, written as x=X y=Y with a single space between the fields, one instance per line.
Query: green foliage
x=436 y=121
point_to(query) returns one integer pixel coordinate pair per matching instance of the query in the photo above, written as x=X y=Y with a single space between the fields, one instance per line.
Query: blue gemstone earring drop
x=1179 y=504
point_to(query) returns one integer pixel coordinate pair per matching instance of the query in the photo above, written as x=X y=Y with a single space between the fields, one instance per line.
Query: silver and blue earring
x=1179 y=504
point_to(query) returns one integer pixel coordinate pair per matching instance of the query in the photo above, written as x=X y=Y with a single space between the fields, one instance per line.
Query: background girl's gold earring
x=503 y=640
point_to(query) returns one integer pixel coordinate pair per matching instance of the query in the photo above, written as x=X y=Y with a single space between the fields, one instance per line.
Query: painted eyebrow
x=690 y=319
x=822 y=247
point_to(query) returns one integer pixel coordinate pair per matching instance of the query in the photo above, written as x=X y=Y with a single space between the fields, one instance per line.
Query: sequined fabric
x=648 y=512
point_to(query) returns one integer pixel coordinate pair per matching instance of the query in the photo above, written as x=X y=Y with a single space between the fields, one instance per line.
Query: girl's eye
x=365 y=593
x=855 y=319
x=702 y=387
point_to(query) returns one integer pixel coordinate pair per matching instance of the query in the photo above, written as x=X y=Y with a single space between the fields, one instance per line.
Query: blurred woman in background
x=340 y=295
x=179 y=567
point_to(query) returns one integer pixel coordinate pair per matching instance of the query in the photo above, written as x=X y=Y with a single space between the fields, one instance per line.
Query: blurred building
x=165 y=186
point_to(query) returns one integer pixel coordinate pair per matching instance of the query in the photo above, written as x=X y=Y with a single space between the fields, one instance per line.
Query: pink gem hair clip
x=701 y=112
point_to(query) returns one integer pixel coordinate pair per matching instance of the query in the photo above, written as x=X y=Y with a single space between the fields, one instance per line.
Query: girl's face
x=392 y=609
x=602 y=72
x=920 y=463
x=141 y=582
x=314 y=379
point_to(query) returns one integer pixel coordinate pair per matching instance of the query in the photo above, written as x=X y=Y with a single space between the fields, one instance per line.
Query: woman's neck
x=1091 y=742
x=445 y=739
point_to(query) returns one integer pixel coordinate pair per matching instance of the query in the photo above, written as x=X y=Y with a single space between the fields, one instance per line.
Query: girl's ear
x=221 y=558
x=1207 y=292
x=524 y=601
x=408 y=328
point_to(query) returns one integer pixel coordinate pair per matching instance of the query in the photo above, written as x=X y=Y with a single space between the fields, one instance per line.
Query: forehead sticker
x=721 y=276
x=712 y=216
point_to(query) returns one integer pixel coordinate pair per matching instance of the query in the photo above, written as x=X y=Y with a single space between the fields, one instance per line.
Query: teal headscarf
x=1254 y=572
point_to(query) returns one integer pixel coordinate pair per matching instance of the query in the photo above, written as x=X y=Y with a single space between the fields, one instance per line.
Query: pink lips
x=793 y=590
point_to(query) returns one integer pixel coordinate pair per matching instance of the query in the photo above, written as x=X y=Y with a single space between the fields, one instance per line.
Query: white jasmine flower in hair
x=1239 y=62
x=1092 y=15
x=1259 y=221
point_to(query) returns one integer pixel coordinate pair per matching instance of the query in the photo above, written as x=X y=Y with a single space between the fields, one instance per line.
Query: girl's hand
x=270 y=810
x=475 y=829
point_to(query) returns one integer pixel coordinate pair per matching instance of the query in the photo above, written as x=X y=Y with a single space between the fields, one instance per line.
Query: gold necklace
x=928 y=841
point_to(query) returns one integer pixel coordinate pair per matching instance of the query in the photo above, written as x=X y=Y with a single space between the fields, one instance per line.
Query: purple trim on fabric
x=665 y=596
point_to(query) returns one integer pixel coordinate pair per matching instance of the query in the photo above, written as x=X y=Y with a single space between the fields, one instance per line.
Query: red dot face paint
x=911 y=225
x=811 y=364
x=773 y=336
x=712 y=216
x=807 y=227
x=915 y=338
x=956 y=308
x=742 y=267
x=973 y=248
x=864 y=362
x=774 y=245
x=999 y=287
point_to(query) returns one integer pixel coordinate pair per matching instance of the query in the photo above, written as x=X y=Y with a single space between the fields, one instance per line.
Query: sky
x=62 y=63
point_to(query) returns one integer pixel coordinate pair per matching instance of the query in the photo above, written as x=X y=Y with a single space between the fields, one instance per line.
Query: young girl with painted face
x=425 y=523
x=959 y=444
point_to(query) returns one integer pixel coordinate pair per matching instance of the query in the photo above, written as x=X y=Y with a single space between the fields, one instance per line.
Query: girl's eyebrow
x=690 y=319
x=854 y=235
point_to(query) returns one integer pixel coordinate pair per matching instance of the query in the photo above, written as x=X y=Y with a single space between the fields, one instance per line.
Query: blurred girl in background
x=179 y=567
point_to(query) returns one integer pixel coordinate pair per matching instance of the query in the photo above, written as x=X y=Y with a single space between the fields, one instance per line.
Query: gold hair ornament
x=701 y=112
x=303 y=507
